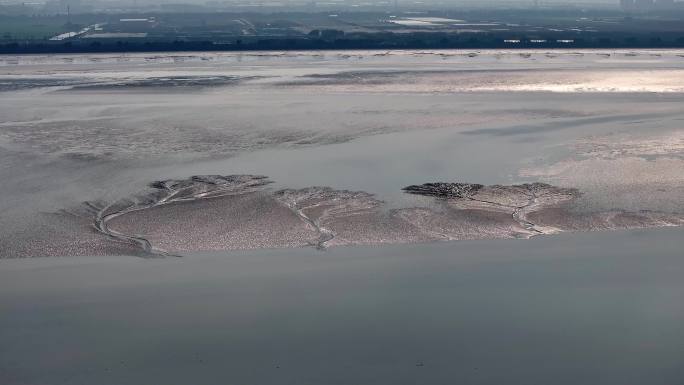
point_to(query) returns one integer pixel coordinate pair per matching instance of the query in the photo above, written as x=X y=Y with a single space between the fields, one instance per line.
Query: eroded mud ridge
x=321 y=207
x=535 y=208
x=167 y=192
x=195 y=215
x=204 y=213
x=518 y=201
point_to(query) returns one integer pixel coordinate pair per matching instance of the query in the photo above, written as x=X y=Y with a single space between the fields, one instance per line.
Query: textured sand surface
x=99 y=128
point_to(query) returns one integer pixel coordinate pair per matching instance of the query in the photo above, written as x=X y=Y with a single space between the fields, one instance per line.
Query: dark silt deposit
x=84 y=83
x=445 y=190
x=167 y=82
x=237 y=212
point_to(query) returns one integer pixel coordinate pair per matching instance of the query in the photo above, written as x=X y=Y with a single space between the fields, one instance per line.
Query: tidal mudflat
x=173 y=154
x=236 y=212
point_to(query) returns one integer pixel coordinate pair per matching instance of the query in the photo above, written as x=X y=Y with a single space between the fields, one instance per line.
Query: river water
x=594 y=308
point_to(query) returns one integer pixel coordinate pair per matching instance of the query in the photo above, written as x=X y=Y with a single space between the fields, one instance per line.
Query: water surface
x=596 y=308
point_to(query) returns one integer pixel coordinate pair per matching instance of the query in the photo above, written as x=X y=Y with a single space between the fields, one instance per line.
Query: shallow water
x=596 y=308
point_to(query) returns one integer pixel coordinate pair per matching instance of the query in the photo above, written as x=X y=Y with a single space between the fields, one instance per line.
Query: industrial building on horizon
x=650 y=5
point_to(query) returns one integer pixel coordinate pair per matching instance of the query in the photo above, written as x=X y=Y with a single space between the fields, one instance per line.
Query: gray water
x=595 y=308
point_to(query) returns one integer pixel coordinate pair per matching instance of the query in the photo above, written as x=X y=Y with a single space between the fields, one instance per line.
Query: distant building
x=665 y=4
x=627 y=5
x=132 y=25
x=644 y=5
x=649 y=5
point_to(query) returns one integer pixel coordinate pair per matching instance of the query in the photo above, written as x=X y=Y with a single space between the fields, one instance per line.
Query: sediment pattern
x=205 y=213
x=522 y=211
x=319 y=207
x=518 y=201
x=168 y=192
x=343 y=217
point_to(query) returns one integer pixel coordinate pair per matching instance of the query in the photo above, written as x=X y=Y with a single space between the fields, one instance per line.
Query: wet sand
x=98 y=129
x=238 y=212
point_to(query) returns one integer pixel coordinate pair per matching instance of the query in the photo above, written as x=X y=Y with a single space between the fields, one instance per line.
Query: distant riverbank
x=384 y=41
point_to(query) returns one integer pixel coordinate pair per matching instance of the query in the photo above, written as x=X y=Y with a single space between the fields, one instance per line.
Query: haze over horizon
x=470 y=3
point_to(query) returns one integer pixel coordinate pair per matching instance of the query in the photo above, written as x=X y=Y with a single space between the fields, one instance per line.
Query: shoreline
x=9 y=49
